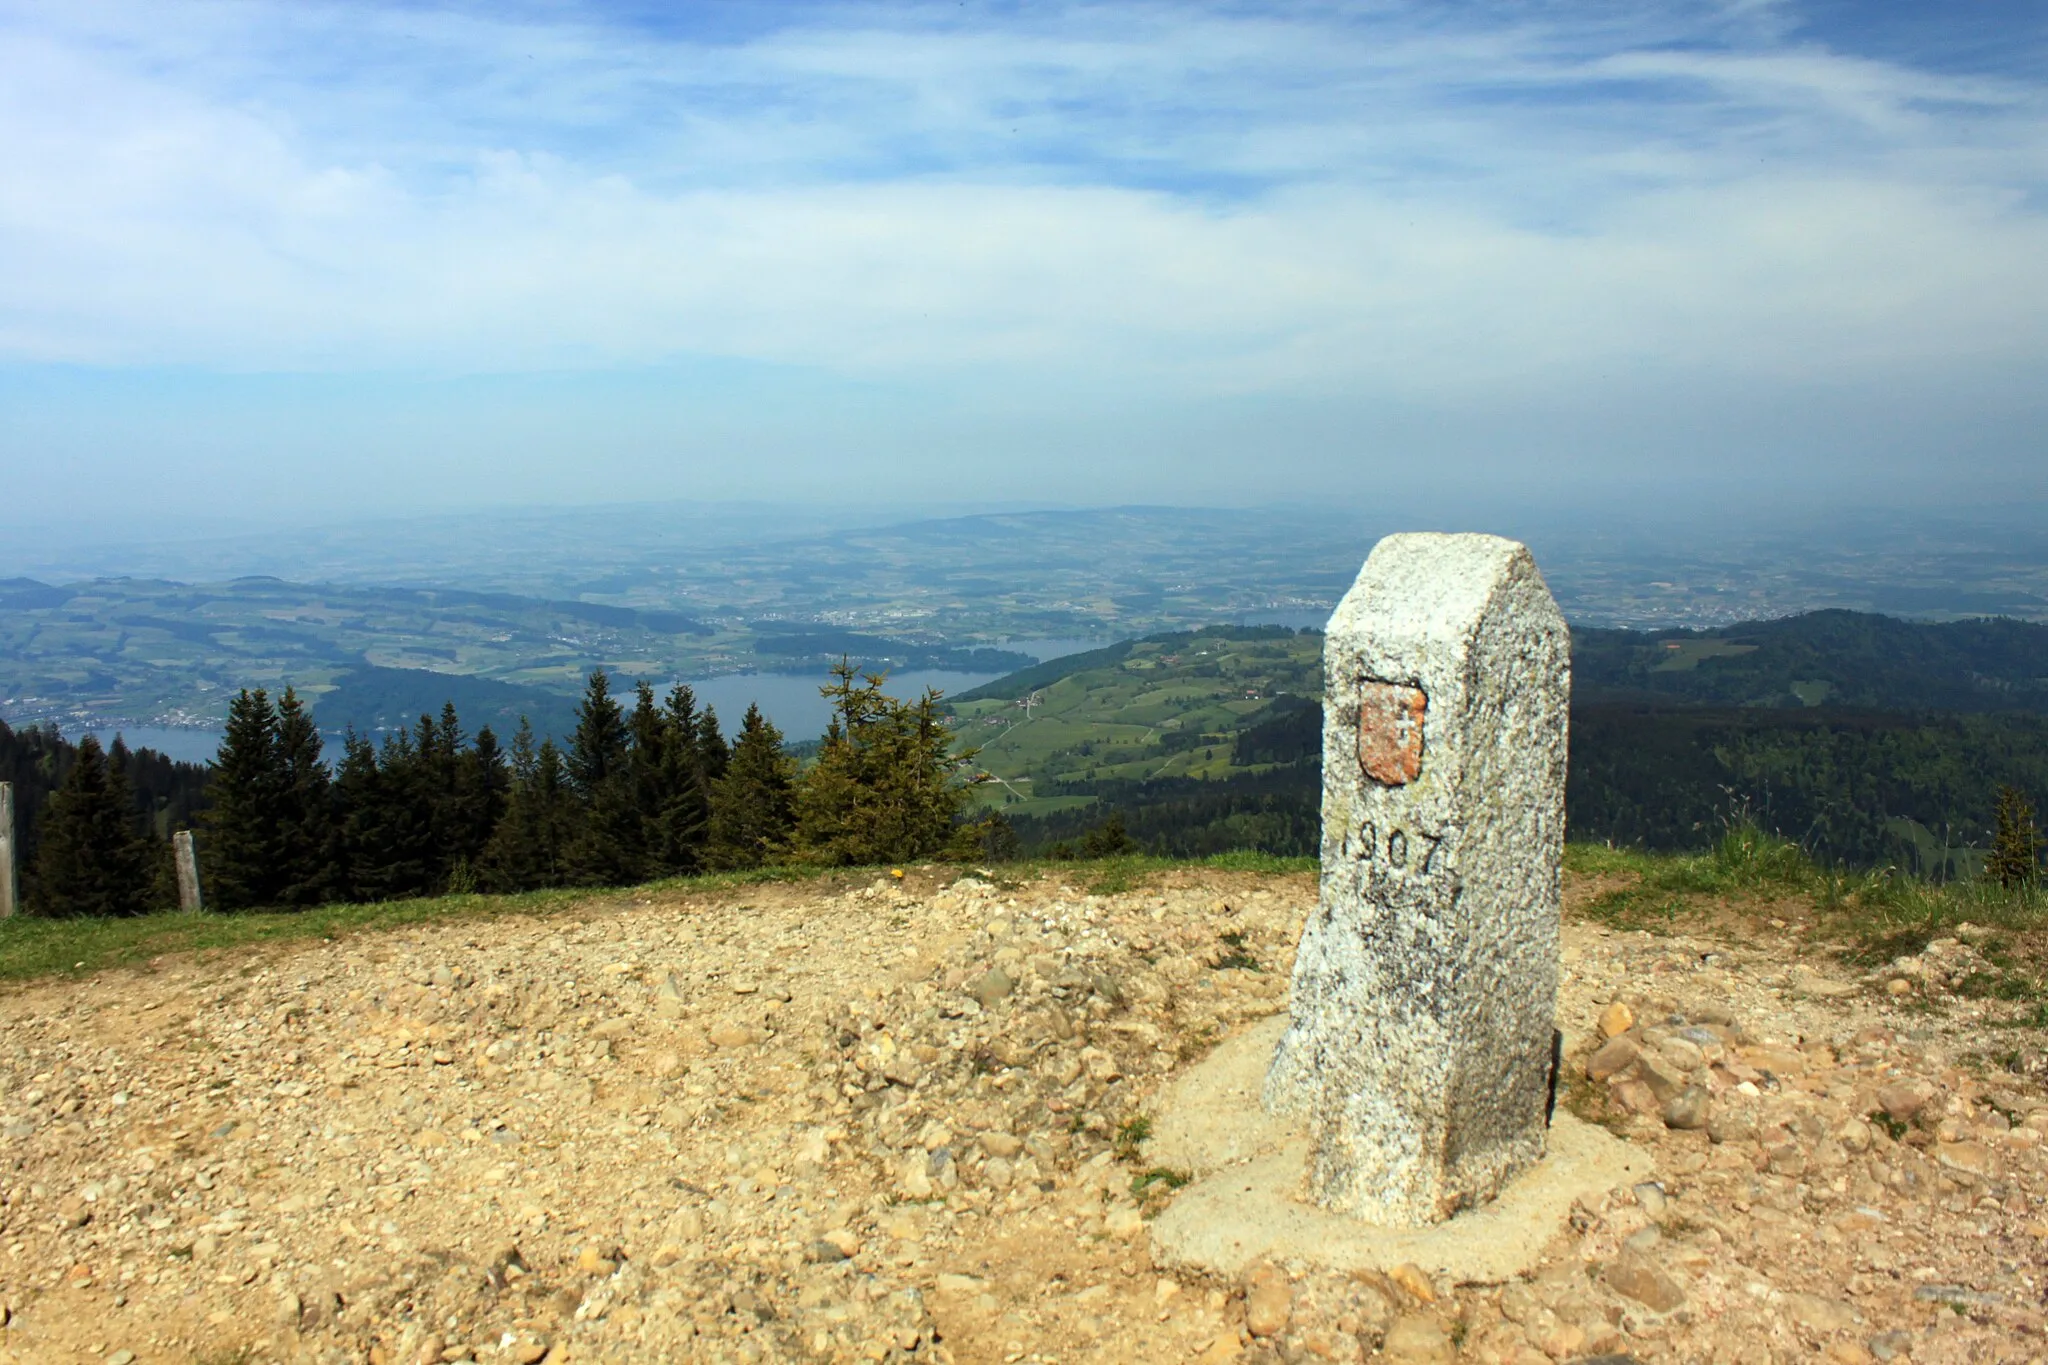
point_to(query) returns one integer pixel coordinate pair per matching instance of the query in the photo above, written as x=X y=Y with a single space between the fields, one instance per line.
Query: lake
x=790 y=700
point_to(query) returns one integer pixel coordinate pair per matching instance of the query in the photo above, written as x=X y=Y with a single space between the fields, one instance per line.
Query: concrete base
x=1248 y=1199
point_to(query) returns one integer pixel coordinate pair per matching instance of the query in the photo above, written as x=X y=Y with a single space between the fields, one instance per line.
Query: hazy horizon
x=290 y=261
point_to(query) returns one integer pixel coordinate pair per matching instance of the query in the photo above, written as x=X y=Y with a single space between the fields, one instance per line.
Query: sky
x=279 y=263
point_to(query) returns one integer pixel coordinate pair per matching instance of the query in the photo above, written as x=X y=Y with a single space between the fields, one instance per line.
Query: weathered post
x=7 y=883
x=187 y=859
x=1420 y=1044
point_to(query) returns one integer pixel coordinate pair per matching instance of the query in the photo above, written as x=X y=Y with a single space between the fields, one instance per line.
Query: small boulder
x=1613 y=1057
x=993 y=988
x=1416 y=1340
x=1268 y=1300
x=1687 y=1110
x=1903 y=1100
x=1635 y=1276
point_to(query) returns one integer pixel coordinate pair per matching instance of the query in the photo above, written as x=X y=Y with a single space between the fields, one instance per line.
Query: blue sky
x=297 y=260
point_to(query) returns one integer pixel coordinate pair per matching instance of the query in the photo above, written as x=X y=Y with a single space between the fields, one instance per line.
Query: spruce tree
x=1109 y=839
x=357 y=795
x=306 y=840
x=242 y=845
x=753 y=804
x=412 y=786
x=598 y=751
x=384 y=802
x=611 y=839
x=91 y=858
x=529 y=848
x=886 y=786
x=481 y=792
x=677 y=799
x=2015 y=858
x=712 y=752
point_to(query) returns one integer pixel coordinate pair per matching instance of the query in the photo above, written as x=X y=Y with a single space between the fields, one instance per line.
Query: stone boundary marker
x=1415 y=1075
x=186 y=860
x=7 y=883
x=1425 y=990
x=1251 y=1167
x=1426 y=985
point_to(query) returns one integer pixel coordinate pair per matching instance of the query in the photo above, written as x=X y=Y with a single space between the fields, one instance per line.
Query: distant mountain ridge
x=1831 y=658
x=1821 y=658
x=1870 y=739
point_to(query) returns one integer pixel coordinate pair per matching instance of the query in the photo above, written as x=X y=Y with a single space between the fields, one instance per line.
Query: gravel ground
x=850 y=1121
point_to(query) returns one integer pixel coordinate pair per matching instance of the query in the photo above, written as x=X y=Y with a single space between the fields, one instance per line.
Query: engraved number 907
x=1396 y=848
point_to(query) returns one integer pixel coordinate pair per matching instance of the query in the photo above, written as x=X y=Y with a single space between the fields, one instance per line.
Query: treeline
x=125 y=801
x=1840 y=658
x=1183 y=817
x=1855 y=787
x=638 y=793
x=1868 y=789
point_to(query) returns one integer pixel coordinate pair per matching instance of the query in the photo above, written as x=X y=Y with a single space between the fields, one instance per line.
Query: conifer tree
x=412 y=783
x=611 y=839
x=243 y=846
x=598 y=750
x=384 y=810
x=357 y=793
x=753 y=804
x=677 y=800
x=2015 y=858
x=529 y=848
x=92 y=859
x=712 y=752
x=1109 y=839
x=482 y=789
x=304 y=811
x=886 y=786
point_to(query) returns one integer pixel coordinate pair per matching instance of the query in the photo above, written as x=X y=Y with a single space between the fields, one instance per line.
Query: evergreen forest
x=1869 y=742
x=645 y=787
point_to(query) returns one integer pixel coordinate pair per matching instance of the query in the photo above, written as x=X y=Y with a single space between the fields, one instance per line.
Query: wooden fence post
x=7 y=881
x=188 y=871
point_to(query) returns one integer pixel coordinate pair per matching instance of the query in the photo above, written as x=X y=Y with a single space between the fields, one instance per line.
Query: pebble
x=1635 y=1276
x=993 y=988
x=1417 y=1340
x=1687 y=1110
x=1612 y=1057
x=1268 y=1300
x=1412 y=1278
x=730 y=1036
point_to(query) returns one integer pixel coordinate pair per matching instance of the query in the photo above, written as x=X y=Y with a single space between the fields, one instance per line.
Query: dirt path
x=882 y=1122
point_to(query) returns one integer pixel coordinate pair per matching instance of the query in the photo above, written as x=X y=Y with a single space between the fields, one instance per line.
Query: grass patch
x=32 y=947
x=1114 y=876
x=1130 y=1137
x=1880 y=915
x=1161 y=1177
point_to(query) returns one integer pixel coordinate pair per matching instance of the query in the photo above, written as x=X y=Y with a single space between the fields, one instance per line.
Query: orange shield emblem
x=1390 y=732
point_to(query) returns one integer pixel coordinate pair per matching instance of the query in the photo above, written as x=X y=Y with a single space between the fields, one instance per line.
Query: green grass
x=1881 y=914
x=1877 y=915
x=1131 y=1136
x=1114 y=721
x=31 y=947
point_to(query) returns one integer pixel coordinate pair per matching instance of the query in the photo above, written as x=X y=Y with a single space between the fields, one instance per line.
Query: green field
x=1169 y=707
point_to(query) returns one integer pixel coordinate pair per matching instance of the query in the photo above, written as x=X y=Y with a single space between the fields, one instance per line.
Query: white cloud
x=1144 y=195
